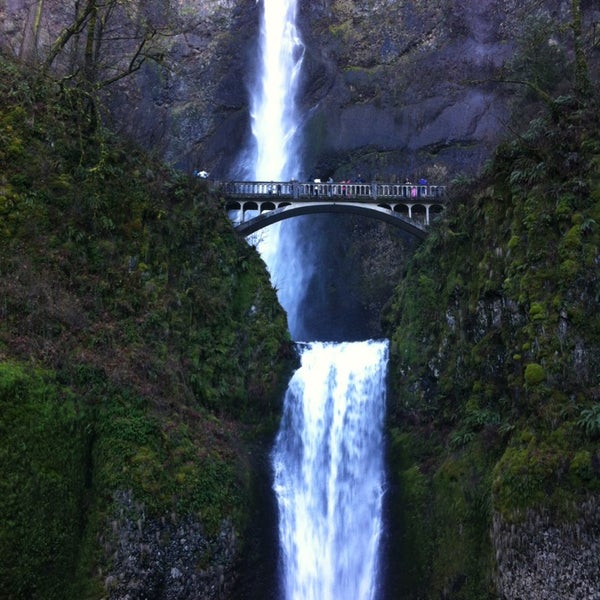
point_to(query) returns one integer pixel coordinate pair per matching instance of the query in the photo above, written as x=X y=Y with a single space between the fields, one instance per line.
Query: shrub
x=534 y=374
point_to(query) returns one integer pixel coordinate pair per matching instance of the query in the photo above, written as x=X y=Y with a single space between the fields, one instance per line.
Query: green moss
x=513 y=242
x=124 y=279
x=549 y=472
x=534 y=374
x=537 y=311
x=433 y=508
x=462 y=508
x=581 y=469
x=564 y=207
x=572 y=239
x=569 y=269
x=44 y=458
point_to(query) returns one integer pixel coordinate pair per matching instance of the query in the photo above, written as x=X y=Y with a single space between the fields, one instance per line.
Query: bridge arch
x=285 y=210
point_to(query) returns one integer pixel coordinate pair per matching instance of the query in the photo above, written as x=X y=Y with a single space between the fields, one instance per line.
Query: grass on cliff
x=141 y=342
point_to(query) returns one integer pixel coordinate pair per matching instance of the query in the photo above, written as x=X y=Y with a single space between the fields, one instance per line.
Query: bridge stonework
x=252 y=205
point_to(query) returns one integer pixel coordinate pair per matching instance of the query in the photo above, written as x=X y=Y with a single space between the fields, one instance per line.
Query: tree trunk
x=31 y=35
x=90 y=45
x=582 y=79
x=73 y=29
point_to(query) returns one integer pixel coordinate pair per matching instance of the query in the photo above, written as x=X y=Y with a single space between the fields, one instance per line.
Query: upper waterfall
x=273 y=102
x=272 y=154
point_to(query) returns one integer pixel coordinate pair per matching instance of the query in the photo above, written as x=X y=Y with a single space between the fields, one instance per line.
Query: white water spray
x=329 y=472
x=328 y=458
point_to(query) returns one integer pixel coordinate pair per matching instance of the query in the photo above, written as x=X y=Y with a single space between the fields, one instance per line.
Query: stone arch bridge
x=252 y=205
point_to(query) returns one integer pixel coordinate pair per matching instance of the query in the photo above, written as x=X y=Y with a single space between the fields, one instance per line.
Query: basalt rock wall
x=403 y=88
x=495 y=358
x=393 y=89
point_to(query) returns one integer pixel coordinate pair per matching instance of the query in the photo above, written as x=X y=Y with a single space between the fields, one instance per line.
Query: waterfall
x=272 y=153
x=274 y=113
x=329 y=472
x=328 y=457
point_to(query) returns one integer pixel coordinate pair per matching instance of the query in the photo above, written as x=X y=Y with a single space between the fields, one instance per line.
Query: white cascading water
x=273 y=102
x=273 y=155
x=328 y=468
x=328 y=456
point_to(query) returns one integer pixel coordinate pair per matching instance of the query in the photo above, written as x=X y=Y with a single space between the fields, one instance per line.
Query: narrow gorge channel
x=328 y=465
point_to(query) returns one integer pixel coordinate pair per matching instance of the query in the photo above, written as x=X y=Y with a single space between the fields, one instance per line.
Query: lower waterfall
x=329 y=472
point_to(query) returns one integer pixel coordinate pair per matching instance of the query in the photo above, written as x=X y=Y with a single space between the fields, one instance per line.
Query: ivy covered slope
x=142 y=349
x=495 y=410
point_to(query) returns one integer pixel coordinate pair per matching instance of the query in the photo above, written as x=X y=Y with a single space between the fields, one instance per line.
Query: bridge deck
x=369 y=192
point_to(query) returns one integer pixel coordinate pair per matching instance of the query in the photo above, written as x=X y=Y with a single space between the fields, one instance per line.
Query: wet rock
x=166 y=559
x=538 y=559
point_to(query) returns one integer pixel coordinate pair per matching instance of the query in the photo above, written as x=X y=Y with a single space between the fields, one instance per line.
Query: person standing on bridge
x=294 y=188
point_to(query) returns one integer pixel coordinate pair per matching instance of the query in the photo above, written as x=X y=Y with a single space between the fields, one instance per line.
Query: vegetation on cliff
x=141 y=344
x=495 y=341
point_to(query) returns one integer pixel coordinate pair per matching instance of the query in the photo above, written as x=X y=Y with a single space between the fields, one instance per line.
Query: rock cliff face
x=540 y=558
x=494 y=414
x=390 y=88
x=167 y=560
x=398 y=88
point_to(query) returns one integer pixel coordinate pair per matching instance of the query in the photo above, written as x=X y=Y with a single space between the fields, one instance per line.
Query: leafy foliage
x=164 y=344
x=495 y=337
x=132 y=263
x=589 y=420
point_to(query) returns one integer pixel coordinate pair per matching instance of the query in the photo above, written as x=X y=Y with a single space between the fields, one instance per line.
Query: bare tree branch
x=76 y=27
x=532 y=86
x=136 y=62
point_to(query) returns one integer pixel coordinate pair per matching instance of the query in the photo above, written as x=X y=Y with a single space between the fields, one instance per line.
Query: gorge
x=143 y=351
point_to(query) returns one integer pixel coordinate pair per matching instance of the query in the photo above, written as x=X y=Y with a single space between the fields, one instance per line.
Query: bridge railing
x=297 y=190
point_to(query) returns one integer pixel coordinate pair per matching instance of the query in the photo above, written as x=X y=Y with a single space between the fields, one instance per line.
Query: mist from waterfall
x=328 y=457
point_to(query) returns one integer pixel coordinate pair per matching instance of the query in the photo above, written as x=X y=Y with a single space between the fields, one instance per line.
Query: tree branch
x=73 y=29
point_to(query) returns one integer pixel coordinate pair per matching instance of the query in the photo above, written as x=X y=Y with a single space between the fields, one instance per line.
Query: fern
x=589 y=420
x=461 y=438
